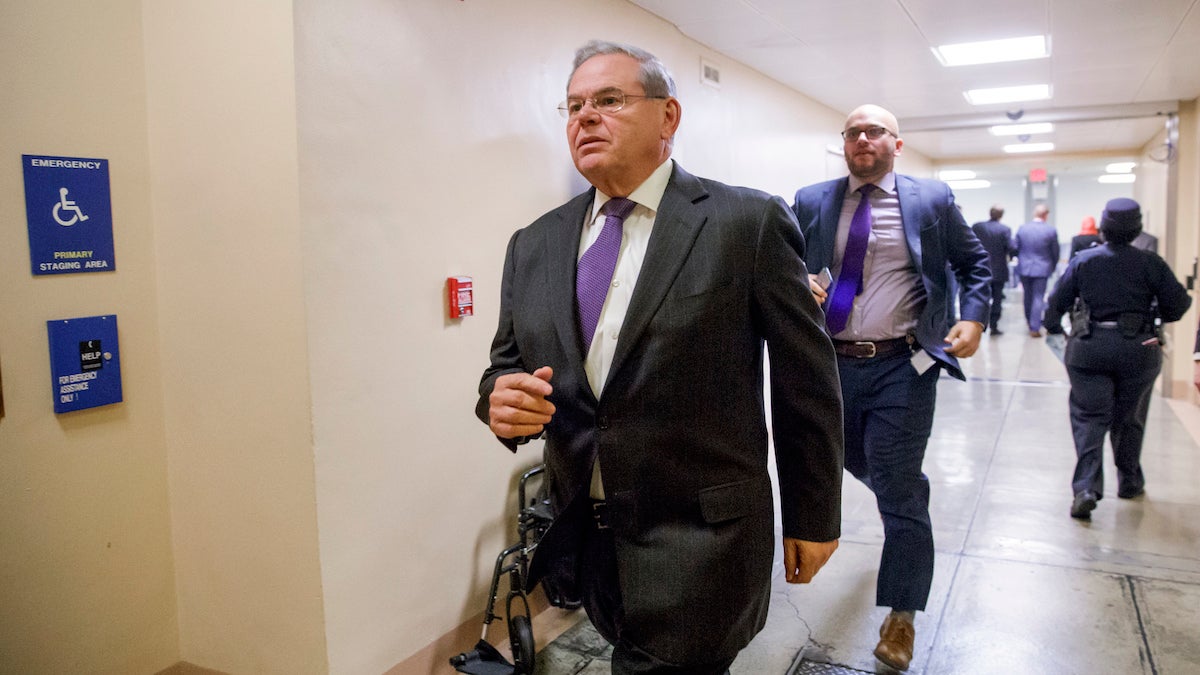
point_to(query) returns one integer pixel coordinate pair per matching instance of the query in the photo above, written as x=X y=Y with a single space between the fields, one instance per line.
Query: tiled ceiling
x=1113 y=63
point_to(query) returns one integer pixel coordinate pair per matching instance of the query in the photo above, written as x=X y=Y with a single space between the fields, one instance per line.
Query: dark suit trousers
x=601 y=591
x=1111 y=381
x=888 y=417
x=997 y=302
x=1035 y=300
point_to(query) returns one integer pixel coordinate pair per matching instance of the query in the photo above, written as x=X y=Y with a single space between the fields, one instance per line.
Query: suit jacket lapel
x=562 y=246
x=831 y=213
x=676 y=226
x=911 y=217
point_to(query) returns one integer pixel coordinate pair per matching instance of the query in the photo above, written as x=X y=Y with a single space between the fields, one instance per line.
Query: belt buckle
x=873 y=350
x=600 y=515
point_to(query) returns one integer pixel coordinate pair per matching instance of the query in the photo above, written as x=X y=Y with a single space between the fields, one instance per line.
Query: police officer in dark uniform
x=1114 y=353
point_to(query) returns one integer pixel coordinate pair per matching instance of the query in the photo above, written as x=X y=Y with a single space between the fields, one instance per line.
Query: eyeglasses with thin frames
x=605 y=103
x=873 y=133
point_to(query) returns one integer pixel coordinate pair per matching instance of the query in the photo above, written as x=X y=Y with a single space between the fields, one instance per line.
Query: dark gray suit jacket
x=996 y=238
x=680 y=426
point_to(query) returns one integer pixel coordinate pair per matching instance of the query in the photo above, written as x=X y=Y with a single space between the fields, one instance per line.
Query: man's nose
x=588 y=113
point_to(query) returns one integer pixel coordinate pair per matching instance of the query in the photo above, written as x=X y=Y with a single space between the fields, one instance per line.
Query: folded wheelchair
x=533 y=519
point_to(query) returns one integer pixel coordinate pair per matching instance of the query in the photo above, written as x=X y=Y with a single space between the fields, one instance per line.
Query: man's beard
x=874 y=165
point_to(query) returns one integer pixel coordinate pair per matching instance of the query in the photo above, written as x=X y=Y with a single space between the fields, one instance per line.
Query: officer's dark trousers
x=1035 y=300
x=888 y=417
x=1111 y=380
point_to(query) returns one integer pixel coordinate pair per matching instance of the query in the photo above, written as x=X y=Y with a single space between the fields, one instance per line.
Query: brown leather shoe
x=1035 y=333
x=895 y=646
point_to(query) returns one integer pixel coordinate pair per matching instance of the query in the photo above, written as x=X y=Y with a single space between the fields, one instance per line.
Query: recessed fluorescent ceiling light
x=1117 y=178
x=1028 y=92
x=993 y=51
x=1029 y=147
x=1018 y=129
x=968 y=184
x=956 y=174
x=1120 y=167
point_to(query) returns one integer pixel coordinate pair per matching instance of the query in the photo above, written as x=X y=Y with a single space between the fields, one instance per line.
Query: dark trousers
x=997 y=303
x=1035 y=300
x=601 y=591
x=1111 y=381
x=888 y=417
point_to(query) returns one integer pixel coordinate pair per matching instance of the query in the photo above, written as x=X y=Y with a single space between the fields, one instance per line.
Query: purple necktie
x=849 y=281
x=595 y=271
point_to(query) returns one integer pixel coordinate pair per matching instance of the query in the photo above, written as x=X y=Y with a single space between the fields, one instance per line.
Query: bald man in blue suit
x=899 y=333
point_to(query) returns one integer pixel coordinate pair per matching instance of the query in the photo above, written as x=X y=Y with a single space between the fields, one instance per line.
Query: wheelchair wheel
x=520 y=638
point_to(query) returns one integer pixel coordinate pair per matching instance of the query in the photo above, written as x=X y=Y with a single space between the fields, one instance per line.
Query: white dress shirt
x=635 y=239
x=893 y=294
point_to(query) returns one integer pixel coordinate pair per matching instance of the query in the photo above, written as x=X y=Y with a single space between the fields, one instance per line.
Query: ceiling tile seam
x=1162 y=54
x=775 y=22
x=913 y=21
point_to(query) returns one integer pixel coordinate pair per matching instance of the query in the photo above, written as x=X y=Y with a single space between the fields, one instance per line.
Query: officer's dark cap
x=1121 y=215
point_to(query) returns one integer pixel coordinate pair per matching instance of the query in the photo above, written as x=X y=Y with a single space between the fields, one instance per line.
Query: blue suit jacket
x=996 y=238
x=1037 y=250
x=939 y=241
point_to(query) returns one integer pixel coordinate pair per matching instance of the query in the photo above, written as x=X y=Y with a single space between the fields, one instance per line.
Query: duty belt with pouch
x=1133 y=324
x=1129 y=324
x=1081 y=319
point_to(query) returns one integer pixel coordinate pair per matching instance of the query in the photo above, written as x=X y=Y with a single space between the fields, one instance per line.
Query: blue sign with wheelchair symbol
x=68 y=206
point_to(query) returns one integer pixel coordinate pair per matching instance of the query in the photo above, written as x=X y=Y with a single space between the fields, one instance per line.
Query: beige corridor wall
x=428 y=134
x=295 y=482
x=222 y=135
x=86 y=575
x=1178 y=237
x=1185 y=247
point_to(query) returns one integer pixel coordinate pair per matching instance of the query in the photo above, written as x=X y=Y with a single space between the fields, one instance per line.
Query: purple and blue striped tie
x=595 y=271
x=849 y=281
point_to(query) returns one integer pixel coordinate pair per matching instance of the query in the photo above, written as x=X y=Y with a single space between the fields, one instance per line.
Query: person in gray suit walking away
x=1036 y=246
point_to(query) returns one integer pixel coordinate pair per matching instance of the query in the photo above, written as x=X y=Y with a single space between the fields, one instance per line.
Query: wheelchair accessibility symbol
x=64 y=206
x=68 y=210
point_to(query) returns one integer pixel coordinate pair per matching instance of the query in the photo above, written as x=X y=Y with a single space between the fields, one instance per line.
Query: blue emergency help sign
x=85 y=362
x=68 y=206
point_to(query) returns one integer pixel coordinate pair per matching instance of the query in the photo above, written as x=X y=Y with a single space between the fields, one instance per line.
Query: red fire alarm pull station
x=462 y=300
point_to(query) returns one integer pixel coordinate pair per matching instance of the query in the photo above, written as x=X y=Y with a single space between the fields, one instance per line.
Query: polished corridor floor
x=1019 y=587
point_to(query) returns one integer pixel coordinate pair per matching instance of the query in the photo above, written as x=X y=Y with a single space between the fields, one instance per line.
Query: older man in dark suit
x=996 y=238
x=652 y=411
x=892 y=243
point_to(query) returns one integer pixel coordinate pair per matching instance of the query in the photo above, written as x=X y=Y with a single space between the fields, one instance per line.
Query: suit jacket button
x=602 y=423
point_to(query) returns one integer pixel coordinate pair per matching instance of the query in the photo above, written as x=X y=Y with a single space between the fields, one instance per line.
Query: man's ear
x=671 y=115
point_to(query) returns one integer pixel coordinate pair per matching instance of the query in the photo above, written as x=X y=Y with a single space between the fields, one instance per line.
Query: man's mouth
x=585 y=143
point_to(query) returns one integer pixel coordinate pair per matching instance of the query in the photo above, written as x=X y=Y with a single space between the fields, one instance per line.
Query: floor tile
x=1005 y=617
x=1171 y=615
x=839 y=608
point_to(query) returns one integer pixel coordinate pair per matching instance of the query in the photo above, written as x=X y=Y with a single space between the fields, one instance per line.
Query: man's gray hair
x=653 y=75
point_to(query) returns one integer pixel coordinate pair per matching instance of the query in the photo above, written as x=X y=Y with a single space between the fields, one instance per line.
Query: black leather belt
x=870 y=350
x=600 y=514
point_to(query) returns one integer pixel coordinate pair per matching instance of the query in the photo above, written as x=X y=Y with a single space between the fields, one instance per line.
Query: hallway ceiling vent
x=710 y=74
